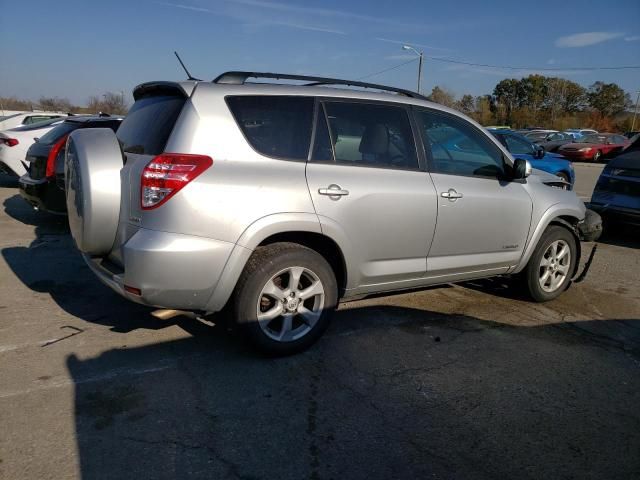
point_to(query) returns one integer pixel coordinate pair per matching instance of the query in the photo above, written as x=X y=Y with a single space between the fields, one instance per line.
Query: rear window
x=276 y=126
x=147 y=126
x=38 y=118
x=56 y=133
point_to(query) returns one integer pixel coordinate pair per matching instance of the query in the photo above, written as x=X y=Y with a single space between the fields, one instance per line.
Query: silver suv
x=275 y=201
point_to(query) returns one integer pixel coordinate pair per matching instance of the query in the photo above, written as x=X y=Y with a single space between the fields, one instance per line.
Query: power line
x=549 y=69
x=387 y=69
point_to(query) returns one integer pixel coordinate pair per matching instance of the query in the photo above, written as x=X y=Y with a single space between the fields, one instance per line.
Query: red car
x=594 y=147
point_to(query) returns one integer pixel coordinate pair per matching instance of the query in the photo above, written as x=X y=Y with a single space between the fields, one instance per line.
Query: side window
x=518 y=146
x=276 y=126
x=370 y=135
x=458 y=148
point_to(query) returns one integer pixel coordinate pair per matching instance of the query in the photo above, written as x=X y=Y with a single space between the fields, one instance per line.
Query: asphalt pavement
x=467 y=381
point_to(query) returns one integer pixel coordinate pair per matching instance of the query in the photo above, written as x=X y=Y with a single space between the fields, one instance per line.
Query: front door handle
x=451 y=194
x=333 y=190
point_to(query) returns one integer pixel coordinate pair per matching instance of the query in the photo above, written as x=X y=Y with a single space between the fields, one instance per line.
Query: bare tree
x=112 y=103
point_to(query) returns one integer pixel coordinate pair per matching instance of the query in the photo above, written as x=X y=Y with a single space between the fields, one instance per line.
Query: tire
x=93 y=161
x=597 y=156
x=543 y=288
x=264 y=287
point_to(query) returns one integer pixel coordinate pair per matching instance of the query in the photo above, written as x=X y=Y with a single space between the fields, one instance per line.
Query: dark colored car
x=631 y=134
x=43 y=184
x=595 y=147
x=522 y=147
x=617 y=193
x=553 y=141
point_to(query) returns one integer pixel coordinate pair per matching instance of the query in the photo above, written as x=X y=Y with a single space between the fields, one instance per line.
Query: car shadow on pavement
x=389 y=392
x=51 y=264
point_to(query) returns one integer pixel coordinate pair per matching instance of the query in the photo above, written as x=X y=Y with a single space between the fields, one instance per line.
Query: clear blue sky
x=77 y=48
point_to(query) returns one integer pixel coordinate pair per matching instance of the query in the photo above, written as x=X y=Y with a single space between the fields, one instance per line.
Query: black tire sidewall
x=553 y=233
x=265 y=263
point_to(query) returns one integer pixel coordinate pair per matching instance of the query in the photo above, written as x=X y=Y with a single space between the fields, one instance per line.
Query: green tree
x=508 y=96
x=607 y=98
x=466 y=104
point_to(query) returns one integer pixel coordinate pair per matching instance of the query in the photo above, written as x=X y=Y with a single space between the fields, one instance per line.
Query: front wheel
x=597 y=156
x=551 y=265
x=284 y=298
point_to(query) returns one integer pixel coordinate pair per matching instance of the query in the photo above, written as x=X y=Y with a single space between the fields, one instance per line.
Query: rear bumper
x=170 y=270
x=43 y=194
x=630 y=216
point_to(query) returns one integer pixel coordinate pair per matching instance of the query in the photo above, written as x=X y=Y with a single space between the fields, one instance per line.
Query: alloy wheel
x=290 y=304
x=554 y=266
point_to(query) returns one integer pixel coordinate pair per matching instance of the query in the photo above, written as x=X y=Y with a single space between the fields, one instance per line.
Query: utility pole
x=635 y=113
x=421 y=56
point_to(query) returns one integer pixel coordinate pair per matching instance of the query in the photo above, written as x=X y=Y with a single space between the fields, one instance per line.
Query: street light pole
x=635 y=113
x=421 y=57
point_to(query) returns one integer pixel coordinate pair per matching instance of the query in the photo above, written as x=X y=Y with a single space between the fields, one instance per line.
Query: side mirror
x=539 y=153
x=35 y=139
x=521 y=169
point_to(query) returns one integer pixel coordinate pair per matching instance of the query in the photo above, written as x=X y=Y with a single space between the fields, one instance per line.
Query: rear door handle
x=333 y=190
x=451 y=194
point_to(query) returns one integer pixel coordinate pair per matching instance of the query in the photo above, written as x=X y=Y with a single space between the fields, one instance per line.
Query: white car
x=15 y=142
x=17 y=119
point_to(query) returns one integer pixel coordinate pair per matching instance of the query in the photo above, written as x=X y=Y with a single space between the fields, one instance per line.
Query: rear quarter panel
x=240 y=187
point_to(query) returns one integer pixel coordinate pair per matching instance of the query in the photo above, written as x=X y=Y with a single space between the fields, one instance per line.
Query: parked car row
x=43 y=183
x=617 y=193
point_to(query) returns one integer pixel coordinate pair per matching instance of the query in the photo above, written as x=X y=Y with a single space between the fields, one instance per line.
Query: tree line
x=548 y=102
x=109 y=102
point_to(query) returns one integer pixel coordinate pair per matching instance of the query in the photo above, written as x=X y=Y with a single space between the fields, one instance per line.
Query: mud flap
x=587 y=265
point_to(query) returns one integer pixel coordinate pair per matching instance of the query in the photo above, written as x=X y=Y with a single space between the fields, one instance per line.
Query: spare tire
x=93 y=161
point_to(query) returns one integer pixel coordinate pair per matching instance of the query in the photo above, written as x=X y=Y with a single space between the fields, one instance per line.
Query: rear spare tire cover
x=93 y=162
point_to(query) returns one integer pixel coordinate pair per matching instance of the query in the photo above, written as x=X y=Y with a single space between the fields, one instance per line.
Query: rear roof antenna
x=189 y=76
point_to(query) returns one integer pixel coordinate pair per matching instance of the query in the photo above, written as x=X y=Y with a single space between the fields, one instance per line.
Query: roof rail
x=239 y=78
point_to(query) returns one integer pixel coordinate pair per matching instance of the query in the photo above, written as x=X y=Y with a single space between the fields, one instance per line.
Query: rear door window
x=275 y=126
x=366 y=135
x=147 y=126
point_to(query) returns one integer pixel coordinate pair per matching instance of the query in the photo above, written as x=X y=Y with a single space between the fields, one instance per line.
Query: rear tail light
x=167 y=174
x=9 y=142
x=53 y=154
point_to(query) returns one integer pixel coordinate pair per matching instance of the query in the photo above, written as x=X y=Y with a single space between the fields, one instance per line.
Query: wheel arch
x=301 y=228
x=566 y=218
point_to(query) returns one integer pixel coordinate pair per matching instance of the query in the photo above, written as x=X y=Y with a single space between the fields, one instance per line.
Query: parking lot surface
x=463 y=381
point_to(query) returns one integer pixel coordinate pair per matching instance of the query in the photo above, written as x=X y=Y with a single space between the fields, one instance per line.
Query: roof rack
x=239 y=78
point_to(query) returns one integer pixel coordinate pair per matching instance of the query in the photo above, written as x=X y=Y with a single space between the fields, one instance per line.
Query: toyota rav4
x=273 y=202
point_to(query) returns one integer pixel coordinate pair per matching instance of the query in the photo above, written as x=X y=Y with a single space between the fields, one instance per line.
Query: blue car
x=521 y=147
x=616 y=196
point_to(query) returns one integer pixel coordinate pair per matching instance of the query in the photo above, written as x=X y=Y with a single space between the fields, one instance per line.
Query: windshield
x=594 y=139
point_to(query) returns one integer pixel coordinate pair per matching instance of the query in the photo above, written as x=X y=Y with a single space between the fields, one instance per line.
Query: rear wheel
x=284 y=298
x=551 y=265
